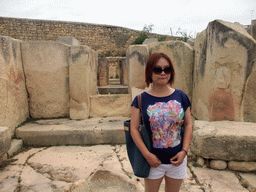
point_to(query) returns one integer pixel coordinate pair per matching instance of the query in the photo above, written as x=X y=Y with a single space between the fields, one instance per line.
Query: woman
x=166 y=113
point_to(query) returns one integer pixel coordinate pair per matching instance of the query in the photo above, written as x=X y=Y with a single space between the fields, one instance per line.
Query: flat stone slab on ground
x=224 y=140
x=72 y=132
x=215 y=180
x=75 y=168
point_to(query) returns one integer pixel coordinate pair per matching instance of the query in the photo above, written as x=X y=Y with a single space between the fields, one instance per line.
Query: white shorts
x=169 y=170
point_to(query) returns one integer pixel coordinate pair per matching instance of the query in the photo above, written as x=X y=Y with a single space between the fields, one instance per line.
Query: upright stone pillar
x=83 y=80
x=137 y=56
x=13 y=94
x=103 y=72
x=47 y=78
x=224 y=58
x=124 y=71
x=249 y=99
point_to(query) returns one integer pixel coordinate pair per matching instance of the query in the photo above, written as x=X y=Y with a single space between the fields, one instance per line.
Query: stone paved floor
x=98 y=168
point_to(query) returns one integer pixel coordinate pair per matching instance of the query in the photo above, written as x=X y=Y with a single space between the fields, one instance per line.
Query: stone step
x=114 y=81
x=113 y=89
x=92 y=131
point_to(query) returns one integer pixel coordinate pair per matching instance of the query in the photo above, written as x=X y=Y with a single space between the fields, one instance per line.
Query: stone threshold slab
x=70 y=132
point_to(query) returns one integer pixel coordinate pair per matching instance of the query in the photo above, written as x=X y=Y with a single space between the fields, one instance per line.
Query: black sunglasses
x=159 y=70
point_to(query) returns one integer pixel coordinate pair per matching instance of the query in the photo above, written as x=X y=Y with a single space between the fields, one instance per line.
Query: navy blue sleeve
x=135 y=102
x=185 y=101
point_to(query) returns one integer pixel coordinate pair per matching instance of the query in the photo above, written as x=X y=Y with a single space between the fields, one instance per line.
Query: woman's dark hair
x=151 y=63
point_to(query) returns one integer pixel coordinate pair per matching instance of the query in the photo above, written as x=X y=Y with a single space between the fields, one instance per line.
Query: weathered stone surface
x=85 y=132
x=249 y=179
x=82 y=80
x=242 y=166
x=182 y=56
x=79 y=168
x=224 y=140
x=16 y=145
x=13 y=94
x=137 y=56
x=103 y=72
x=46 y=69
x=9 y=177
x=223 y=61
x=30 y=180
x=149 y=41
x=200 y=161
x=5 y=140
x=249 y=99
x=106 y=180
x=215 y=180
x=124 y=72
x=110 y=105
x=218 y=164
x=69 y=41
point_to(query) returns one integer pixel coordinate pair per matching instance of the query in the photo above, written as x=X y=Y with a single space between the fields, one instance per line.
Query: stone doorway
x=112 y=75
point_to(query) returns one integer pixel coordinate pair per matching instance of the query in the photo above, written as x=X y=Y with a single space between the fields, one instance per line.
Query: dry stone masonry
x=105 y=39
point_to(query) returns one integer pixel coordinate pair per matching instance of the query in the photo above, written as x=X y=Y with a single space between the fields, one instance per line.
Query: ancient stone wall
x=44 y=79
x=105 y=39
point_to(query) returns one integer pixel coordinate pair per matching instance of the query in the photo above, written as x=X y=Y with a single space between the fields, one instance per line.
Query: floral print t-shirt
x=164 y=119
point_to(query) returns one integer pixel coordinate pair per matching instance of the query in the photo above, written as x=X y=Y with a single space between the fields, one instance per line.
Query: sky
x=166 y=16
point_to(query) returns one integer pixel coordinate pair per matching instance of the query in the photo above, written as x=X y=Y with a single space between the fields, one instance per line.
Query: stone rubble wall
x=104 y=39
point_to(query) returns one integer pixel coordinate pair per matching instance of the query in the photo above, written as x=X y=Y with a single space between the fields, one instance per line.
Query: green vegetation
x=143 y=34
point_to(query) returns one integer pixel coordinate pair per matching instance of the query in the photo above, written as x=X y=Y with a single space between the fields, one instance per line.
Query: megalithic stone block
x=5 y=140
x=47 y=78
x=224 y=59
x=82 y=80
x=13 y=94
x=137 y=56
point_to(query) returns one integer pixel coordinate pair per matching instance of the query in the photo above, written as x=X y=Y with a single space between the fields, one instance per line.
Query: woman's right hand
x=152 y=160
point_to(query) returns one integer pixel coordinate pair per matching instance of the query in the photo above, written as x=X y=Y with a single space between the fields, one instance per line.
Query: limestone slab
x=82 y=80
x=16 y=145
x=219 y=181
x=110 y=105
x=224 y=56
x=13 y=94
x=5 y=140
x=249 y=178
x=47 y=78
x=137 y=56
x=86 y=132
x=224 y=140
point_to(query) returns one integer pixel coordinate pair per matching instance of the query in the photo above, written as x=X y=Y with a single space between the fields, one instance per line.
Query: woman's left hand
x=178 y=158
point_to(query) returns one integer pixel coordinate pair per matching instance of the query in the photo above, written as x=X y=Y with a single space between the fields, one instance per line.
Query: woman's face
x=161 y=72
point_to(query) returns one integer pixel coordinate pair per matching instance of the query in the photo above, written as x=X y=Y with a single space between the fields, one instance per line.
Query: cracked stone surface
x=95 y=168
